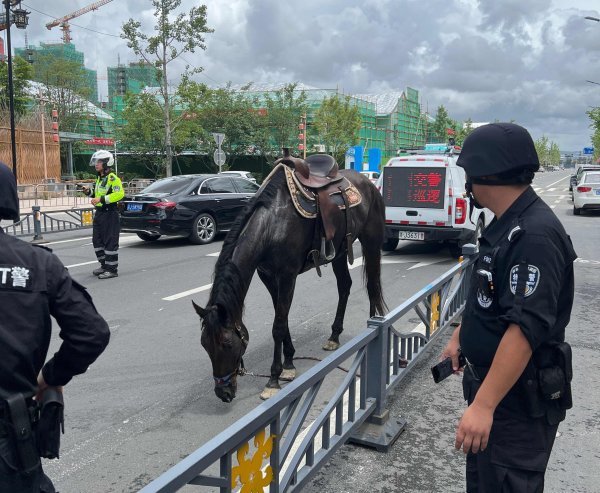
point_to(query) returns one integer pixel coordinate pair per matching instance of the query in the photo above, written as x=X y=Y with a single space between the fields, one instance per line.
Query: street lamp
x=19 y=17
x=592 y=18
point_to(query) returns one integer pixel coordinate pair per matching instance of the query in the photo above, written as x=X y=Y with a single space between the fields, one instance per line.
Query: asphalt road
x=148 y=401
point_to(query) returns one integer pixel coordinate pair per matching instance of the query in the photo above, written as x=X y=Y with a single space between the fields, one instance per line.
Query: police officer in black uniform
x=513 y=326
x=35 y=285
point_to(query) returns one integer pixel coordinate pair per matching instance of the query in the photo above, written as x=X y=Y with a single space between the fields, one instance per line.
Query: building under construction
x=62 y=51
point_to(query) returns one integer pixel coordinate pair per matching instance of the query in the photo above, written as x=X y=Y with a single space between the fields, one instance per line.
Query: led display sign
x=414 y=187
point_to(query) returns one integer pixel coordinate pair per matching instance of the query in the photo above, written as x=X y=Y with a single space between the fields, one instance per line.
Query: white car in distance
x=586 y=194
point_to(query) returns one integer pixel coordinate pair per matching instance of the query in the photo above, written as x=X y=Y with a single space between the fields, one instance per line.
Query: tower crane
x=63 y=22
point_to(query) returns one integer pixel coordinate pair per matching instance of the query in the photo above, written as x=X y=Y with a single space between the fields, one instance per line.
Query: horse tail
x=374 y=234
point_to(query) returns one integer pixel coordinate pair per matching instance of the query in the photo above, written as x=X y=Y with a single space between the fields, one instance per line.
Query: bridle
x=241 y=369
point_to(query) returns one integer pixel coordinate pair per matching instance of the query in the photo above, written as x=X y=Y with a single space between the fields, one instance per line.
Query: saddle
x=319 y=191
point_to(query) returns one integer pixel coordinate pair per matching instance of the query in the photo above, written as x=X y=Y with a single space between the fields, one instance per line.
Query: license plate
x=598 y=192
x=134 y=207
x=411 y=235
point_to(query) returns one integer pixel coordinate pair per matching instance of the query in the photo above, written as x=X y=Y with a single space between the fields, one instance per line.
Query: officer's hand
x=473 y=430
x=452 y=350
x=94 y=201
x=85 y=190
x=42 y=386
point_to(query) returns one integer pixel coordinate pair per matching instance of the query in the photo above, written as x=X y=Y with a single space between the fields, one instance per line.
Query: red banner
x=100 y=141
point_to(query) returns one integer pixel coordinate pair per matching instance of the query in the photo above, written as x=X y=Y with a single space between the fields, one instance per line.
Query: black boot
x=99 y=270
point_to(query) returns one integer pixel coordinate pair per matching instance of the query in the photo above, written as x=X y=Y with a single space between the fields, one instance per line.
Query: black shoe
x=98 y=271
x=107 y=274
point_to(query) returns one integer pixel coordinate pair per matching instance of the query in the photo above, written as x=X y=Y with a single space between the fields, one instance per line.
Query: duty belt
x=108 y=207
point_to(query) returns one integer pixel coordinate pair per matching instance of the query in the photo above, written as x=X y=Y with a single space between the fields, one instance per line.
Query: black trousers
x=105 y=238
x=13 y=481
x=518 y=450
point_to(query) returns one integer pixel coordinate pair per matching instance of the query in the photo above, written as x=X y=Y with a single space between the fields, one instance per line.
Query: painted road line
x=584 y=261
x=215 y=254
x=82 y=263
x=552 y=206
x=189 y=292
x=558 y=181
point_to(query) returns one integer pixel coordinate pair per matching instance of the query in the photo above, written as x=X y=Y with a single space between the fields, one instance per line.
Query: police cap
x=9 y=199
x=498 y=148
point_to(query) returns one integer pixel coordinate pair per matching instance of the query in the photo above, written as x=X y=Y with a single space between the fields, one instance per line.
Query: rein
x=241 y=369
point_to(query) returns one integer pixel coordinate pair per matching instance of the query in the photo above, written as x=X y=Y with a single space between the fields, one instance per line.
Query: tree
x=226 y=111
x=441 y=124
x=174 y=37
x=594 y=116
x=280 y=127
x=22 y=73
x=65 y=84
x=554 y=154
x=542 y=147
x=338 y=123
x=463 y=131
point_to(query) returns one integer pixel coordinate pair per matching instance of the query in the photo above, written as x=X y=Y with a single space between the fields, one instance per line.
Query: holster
x=22 y=434
x=51 y=424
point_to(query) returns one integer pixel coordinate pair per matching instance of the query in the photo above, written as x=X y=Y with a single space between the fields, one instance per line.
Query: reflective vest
x=108 y=189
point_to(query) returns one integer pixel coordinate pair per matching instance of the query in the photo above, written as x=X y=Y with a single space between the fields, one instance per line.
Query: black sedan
x=195 y=206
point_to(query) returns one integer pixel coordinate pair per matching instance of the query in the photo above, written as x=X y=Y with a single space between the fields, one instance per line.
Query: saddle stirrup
x=327 y=250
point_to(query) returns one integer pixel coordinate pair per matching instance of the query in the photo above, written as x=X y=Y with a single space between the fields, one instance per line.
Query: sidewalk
x=424 y=460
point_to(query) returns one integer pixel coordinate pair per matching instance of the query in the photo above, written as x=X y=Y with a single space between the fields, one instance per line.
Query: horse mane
x=227 y=290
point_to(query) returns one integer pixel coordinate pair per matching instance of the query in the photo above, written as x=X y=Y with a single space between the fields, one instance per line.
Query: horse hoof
x=268 y=393
x=331 y=346
x=288 y=375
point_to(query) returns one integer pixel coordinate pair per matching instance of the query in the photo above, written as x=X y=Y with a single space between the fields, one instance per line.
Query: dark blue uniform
x=35 y=286
x=530 y=259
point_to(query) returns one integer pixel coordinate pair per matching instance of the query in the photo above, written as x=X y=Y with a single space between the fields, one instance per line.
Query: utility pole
x=43 y=102
x=302 y=136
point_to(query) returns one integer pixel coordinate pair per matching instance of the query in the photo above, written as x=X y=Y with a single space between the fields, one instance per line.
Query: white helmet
x=100 y=156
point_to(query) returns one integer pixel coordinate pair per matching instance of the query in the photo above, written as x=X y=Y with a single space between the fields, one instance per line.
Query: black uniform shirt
x=35 y=285
x=530 y=257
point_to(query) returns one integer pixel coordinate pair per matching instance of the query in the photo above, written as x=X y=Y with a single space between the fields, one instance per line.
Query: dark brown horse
x=271 y=237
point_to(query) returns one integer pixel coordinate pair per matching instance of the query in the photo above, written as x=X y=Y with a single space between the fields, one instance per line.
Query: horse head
x=225 y=342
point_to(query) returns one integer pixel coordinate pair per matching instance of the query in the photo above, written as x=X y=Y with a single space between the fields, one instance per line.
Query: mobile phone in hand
x=444 y=369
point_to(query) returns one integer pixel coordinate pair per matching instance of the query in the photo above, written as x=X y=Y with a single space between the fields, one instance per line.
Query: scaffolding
x=131 y=79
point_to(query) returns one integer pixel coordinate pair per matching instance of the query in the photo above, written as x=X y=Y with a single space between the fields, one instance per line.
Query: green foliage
x=65 y=85
x=338 y=123
x=463 y=131
x=22 y=72
x=224 y=111
x=548 y=152
x=594 y=116
x=176 y=34
x=441 y=124
x=284 y=109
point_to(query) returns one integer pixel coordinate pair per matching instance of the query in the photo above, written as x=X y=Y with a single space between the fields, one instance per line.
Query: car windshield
x=592 y=178
x=169 y=185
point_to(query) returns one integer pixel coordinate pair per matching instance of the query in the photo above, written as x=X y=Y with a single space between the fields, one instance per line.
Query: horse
x=271 y=237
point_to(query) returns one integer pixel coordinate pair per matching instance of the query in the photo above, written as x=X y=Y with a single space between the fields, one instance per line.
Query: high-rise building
x=64 y=51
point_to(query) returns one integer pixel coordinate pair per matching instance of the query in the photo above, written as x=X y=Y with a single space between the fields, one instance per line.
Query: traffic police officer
x=107 y=191
x=518 y=306
x=35 y=285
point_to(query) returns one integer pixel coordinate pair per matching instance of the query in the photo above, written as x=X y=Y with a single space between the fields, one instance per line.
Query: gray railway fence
x=55 y=207
x=282 y=443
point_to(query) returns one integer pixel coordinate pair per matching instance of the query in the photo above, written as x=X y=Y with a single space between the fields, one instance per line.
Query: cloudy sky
x=522 y=60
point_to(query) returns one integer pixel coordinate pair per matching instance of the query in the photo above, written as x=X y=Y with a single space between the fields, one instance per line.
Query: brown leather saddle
x=319 y=191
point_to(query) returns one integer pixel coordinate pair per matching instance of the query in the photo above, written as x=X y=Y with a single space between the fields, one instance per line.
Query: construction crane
x=63 y=22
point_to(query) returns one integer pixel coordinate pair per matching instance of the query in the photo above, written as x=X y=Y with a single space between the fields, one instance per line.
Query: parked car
x=577 y=176
x=371 y=175
x=586 y=194
x=244 y=174
x=195 y=206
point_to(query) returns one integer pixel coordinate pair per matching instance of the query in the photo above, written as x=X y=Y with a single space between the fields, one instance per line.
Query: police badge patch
x=533 y=279
x=484 y=300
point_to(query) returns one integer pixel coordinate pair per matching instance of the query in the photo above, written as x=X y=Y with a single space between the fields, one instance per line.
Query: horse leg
x=344 y=282
x=282 y=292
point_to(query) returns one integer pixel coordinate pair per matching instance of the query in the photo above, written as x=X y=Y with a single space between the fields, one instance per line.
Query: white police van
x=425 y=200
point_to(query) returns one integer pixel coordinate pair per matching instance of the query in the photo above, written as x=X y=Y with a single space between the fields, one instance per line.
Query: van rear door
x=415 y=193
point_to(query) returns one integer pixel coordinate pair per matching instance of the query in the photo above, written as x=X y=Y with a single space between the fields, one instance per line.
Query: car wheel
x=576 y=211
x=456 y=248
x=148 y=236
x=390 y=244
x=204 y=229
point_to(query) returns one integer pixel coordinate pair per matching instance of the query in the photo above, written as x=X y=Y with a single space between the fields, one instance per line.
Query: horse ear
x=199 y=310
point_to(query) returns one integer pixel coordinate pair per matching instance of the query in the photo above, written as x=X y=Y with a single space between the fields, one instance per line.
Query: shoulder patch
x=15 y=277
x=531 y=283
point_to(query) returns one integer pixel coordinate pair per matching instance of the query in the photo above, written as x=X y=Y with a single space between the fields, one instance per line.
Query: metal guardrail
x=36 y=222
x=280 y=445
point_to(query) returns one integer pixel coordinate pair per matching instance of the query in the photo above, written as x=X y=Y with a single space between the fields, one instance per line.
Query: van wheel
x=148 y=236
x=456 y=248
x=204 y=229
x=390 y=244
